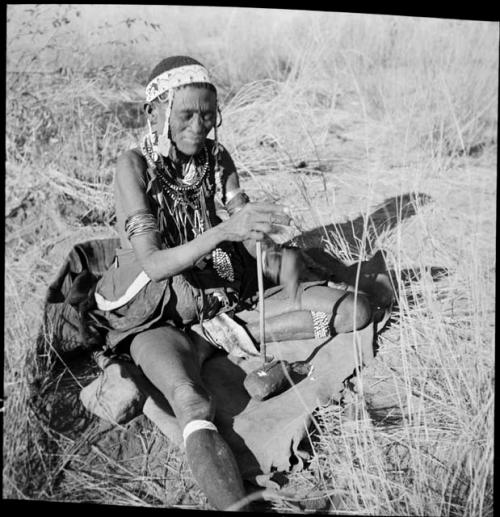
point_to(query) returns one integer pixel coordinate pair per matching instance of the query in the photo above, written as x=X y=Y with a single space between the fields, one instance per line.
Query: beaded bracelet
x=321 y=324
x=222 y=264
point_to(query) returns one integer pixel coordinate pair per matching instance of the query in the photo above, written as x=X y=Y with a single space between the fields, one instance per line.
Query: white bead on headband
x=175 y=77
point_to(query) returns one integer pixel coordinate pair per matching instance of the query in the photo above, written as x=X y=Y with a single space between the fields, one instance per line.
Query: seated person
x=180 y=263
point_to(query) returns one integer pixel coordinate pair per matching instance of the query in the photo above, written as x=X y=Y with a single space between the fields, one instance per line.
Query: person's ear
x=151 y=112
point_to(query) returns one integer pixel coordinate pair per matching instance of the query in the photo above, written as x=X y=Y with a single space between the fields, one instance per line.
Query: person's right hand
x=283 y=266
x=253 y=221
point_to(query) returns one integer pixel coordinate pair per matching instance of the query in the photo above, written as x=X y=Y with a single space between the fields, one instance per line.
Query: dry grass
x=334 y=114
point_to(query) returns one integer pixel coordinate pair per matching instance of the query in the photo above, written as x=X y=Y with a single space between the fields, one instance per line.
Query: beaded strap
x=321 y=324
x=222 y=264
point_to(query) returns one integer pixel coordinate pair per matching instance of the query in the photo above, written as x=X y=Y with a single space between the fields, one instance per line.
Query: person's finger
x=258 y=236
x=268 y=207
x=270 y=216
x=261 y=227
x=280 y=229
x=280 y=219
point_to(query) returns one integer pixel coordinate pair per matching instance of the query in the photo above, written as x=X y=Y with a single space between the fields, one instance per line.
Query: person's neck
x=179 y=160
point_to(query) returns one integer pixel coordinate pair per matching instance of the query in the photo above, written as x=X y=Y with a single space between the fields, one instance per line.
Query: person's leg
x=168 y=359
x=318 y=307
x=350 y=311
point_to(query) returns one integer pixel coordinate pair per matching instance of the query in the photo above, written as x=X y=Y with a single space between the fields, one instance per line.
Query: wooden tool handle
x=260 y=281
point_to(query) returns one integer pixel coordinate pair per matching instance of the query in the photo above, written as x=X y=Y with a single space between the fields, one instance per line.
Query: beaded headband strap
x=180 y=76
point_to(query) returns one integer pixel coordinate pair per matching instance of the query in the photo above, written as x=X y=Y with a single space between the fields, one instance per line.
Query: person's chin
x=192 y=147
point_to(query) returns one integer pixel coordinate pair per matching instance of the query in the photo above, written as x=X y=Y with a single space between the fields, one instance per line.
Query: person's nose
x=197 y=124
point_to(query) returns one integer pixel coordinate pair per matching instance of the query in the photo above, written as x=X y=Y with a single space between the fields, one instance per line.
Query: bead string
x=147 y=149
x=189 y=195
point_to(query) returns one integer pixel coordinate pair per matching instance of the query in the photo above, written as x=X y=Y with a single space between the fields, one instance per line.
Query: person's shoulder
x=131 y=160
x=133 y=157
x=210 y=143
x=224 y=157
x=131 y=166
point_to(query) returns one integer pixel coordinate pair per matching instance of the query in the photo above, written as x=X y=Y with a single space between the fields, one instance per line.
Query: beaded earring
x=164 y=142
x=153 y=142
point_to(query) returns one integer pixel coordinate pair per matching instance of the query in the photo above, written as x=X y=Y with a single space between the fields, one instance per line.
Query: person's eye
x=209 y=116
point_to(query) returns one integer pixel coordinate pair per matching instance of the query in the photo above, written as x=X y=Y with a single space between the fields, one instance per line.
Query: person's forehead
x=193 y=96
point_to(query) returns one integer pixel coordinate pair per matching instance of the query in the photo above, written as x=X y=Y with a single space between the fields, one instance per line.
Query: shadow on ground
x=362 y=232
x=385 y=217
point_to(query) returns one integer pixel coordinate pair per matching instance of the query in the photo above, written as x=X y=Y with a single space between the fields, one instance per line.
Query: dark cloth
x=179 y=301
x=67 y=325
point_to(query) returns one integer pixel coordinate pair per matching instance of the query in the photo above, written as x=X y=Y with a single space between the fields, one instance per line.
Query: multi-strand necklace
x=188 y=196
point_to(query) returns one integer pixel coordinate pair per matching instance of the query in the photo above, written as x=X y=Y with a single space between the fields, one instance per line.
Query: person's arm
x=233 y=196
x=252 y=222
x=280 y=265
x=236 y=199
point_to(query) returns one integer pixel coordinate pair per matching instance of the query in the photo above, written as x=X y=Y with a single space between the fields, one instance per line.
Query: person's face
x=192 y=117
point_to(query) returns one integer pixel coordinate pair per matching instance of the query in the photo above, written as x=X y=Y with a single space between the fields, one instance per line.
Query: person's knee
x=166 y=358
x=138 y=348
x=353 y=313
x=147 y=347
x=191 y=401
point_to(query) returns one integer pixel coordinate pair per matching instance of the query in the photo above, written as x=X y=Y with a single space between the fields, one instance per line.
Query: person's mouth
x=194 y=140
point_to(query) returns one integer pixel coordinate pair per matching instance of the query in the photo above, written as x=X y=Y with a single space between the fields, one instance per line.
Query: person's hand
x=283 y=266
x=254 y=221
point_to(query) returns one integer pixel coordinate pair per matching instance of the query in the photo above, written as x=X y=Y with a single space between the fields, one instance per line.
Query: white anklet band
x=196 y=425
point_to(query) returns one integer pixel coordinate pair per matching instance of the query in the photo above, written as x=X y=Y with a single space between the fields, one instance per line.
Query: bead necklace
x=146 y=149
x=189 y=195
x=183 y=196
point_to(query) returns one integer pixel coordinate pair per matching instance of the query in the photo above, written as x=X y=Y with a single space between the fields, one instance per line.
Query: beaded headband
x=165 y=83
x=175 y=77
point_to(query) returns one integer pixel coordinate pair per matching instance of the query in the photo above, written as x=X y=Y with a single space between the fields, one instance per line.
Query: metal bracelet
x=232 y=194
x=237 y=202
x=140 y=223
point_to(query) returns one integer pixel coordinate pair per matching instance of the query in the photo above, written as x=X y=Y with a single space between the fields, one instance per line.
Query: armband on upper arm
x=140 y=222
x=236 y=199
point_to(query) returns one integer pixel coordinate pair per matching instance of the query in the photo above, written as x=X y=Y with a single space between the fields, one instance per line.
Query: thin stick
x=260 y=280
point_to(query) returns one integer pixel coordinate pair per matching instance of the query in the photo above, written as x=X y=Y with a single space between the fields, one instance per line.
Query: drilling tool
x=273 y=376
